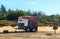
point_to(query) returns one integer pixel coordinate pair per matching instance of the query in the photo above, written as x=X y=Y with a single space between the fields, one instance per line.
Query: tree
x=9 y=10
x=29 y=13
x=3 y=9
x=3 y=13
x=13 y=15
x=56 y=18
x=2 y=16
x=35 y=13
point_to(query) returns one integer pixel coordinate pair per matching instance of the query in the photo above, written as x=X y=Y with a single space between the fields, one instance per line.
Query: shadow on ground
x=16 y=32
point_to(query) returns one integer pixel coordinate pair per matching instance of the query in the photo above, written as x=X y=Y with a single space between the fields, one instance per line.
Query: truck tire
x=27 y=30
x=34 y=30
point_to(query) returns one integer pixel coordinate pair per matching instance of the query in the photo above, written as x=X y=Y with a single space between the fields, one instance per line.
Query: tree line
x=14 y=14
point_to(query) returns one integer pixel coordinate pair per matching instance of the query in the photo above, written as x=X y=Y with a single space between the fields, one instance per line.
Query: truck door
x=20 y=24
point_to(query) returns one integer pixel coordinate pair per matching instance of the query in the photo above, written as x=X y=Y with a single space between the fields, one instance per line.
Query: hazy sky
x=48 y=6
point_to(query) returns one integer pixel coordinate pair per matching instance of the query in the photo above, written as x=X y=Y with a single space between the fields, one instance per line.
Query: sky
x=50 y=7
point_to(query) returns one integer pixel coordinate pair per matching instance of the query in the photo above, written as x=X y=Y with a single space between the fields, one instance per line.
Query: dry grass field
x=42 y=33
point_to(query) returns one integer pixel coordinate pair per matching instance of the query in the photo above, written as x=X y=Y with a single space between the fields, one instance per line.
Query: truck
x=28 y=23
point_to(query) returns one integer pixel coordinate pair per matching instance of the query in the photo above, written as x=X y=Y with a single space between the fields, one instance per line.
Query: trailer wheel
x=34 y=30
x=5 y=31
x=27 y=30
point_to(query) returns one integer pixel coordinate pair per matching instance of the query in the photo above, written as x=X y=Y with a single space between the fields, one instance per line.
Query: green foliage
x=14 y=14
x=3 y=9
x=29 y=13
x=2 y=13
x=2 y=16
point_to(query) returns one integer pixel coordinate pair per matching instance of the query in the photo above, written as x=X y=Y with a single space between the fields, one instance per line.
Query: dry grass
x=40 y=34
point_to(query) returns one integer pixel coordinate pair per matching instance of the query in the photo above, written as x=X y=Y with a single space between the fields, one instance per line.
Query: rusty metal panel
x=33 y=23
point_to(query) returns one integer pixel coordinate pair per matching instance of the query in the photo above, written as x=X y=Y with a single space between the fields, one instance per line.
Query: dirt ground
x=42 y=33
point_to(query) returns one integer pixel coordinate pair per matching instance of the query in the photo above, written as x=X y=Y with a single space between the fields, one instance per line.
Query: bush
x=7 y=23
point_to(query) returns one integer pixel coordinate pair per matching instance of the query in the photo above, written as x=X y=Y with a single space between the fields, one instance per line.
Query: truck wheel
x=27 y=30
x=34 y=30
